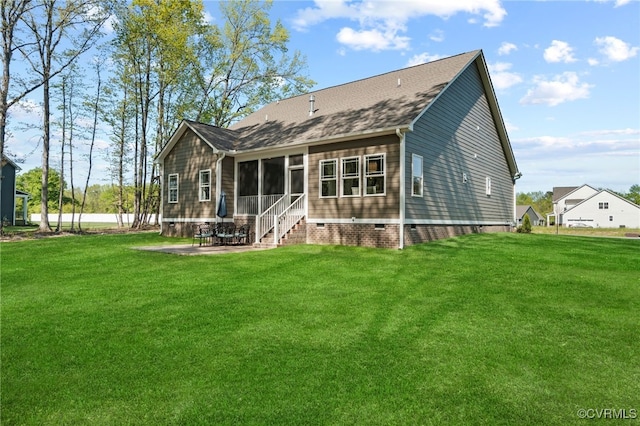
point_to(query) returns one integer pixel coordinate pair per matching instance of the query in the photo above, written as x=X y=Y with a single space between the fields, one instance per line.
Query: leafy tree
x=31 y=182
x=634 y=194
x=53 y=25
x=246 y=64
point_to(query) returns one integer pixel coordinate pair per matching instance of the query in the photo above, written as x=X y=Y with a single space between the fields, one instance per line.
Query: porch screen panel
x=273 y=176
x=248 y=178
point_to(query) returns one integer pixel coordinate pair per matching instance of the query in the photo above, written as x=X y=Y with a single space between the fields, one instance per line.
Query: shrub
x=525 y=228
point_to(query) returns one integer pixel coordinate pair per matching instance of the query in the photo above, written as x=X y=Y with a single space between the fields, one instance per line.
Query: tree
x=634 y=194
x=51 y=23
x=31 y=183
x=11 y=12
x=526 y=225
x=246 y=65
x=95 y=105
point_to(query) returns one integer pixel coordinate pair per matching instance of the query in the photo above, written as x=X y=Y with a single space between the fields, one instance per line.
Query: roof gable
x=598 y=194
x=217 y=138
x=564 y=192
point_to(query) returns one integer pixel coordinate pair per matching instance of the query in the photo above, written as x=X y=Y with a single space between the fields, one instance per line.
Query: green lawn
x=482 y=329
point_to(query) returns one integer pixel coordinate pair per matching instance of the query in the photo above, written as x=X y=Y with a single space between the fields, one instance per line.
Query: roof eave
x=343 y=137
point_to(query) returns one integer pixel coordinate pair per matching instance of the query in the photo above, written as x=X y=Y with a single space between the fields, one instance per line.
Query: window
x=610 y=218
x=205 y=185
x=374 y=174
x=487 y=188
x=173 y=188
x=416 y=173
x=351 y=177
x=328 y=178
x=603 y=206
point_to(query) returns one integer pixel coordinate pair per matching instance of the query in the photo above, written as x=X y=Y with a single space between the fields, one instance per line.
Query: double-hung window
x=374 y=174
x=205 y=185
x=603 y=206
x=416 y=174
x=351 y=177
x=172 y=188
x=328 y=178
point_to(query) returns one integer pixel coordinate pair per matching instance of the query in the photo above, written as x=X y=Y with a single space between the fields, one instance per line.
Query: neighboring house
x=10 y=196
x=585 y=206
x=535 y=217
x=400 y=158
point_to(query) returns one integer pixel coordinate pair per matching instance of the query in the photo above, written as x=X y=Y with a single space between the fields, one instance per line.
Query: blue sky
x=566 y=73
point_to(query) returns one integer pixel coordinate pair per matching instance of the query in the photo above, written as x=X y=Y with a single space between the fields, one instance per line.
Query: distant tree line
x=162 y=63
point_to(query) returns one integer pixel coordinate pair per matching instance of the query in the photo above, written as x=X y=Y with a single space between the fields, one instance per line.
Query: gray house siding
x=460 y=146
x=8 y=202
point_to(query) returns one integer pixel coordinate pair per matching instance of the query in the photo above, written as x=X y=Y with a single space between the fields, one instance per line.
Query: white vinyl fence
x=89 y=218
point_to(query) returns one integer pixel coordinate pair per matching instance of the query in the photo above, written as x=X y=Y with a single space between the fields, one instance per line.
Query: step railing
x=266 y=221
x=288 y=218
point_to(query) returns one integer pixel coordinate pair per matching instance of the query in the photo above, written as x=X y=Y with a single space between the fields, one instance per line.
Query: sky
x=566 y=73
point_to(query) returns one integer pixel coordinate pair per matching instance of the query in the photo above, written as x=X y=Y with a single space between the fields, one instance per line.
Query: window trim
x=171 y=176
x=369 y=174
x=413 y=175
x=201 y=185
x=323 y=179
x=357 y=176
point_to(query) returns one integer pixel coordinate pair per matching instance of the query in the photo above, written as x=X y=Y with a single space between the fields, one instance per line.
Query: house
x=586 y=206
x=535 y=217
x=10 y=195
x=392 y=160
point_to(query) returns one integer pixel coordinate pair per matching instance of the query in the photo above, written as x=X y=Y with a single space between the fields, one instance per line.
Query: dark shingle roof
x=385 y=101
x=561 y=191
x=224 y=139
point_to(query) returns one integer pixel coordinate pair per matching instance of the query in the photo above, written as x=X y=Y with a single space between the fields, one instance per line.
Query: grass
x=481 y=329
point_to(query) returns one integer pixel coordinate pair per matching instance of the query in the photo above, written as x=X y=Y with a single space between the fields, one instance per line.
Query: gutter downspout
x=517 y=176
x=161 y=172
x=219 y=179
x=401 y=136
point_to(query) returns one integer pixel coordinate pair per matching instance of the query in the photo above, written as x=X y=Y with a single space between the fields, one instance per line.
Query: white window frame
x=202 y=185
x=351 y=176
x=171 y=189
x=328 y=179
x=415 y=157
x=375 y=174
x=487 y=186
x=604 y=205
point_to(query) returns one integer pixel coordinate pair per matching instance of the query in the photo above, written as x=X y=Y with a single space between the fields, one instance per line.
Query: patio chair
x=226 y=232
x=203 y=233
x=242 y=234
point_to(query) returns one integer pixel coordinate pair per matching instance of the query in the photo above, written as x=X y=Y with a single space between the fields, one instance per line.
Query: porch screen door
x=296 y=183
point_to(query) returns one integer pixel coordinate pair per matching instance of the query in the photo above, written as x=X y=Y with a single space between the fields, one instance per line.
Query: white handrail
x=288 y=218
x=266 y=221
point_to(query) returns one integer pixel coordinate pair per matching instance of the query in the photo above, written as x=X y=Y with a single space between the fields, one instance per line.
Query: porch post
x=275 y=229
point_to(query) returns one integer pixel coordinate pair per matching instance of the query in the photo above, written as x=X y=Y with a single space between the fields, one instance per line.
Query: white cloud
x=593 y=62
x=501 y=77
x=562 y=88
x=422 y=58
x=389 y=19
x=618 y=3
x=506 y=48
x=559 y=51
x=437 y=36
x=615 y=49
x=374 y=39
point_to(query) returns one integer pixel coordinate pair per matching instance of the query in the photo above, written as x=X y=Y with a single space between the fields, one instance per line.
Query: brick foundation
x=366 y=235
x=416 y=234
